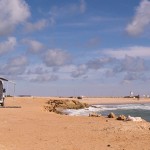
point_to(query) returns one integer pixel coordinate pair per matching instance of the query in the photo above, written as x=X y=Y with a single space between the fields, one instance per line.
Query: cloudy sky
x=76 y=47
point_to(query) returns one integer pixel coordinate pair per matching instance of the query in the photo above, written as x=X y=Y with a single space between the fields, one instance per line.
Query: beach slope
x=32 y=128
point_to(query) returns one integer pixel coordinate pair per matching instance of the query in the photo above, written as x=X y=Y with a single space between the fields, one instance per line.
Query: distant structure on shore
x=131 y=94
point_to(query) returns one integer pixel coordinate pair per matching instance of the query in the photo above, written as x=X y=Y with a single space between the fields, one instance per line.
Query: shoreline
x=111 y=101
x=119 y=103
x=30 y=127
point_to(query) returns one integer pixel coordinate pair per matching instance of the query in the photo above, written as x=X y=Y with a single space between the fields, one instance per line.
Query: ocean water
x=135 y=110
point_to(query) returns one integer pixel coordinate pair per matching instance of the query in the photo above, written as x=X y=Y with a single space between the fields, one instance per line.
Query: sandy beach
x=32 y=128
x=115 y=100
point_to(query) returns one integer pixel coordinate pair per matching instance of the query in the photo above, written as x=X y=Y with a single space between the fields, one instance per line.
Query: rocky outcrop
x=58 y=105
x=124 y=118
x=94 y=115
x=121 y=117
x=111 y=115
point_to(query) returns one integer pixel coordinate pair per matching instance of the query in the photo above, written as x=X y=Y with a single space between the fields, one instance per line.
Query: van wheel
x=2 y=104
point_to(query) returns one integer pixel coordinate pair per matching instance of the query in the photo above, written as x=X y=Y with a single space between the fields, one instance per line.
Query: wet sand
x=32 y=128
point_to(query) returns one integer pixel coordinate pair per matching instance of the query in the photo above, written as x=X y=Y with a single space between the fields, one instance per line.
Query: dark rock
x=111 y=115
x=121 y=117
x=94 y=115
x=49 y=108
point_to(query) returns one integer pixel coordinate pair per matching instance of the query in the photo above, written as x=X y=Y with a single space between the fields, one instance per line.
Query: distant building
x=131 y=94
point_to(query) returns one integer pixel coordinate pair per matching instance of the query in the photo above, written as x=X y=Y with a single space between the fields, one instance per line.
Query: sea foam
x=141 y=110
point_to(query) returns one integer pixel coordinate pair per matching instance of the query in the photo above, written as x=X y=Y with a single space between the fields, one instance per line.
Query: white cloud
x=100 y=63
x=30 y=27
x=67 y=10
x=12 y=13
x=128 y=65
x=44 y=78
x=18 y=61
x=7 y=45
x=39 y=70
x=132 y=64
x=14 y=66
x=33 y=45
x=40 y=73
x=56 y=58
x=140 y=20
x=133 y=76
x=80 y=71
x=135 y=51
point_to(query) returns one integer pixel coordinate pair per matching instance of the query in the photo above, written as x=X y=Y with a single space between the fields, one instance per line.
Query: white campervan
x=2 y=91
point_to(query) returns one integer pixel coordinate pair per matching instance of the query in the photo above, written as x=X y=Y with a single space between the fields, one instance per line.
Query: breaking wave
x=140 y=110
